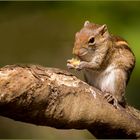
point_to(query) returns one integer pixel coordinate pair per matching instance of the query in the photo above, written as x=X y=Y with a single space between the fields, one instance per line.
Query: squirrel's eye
x=91 y=41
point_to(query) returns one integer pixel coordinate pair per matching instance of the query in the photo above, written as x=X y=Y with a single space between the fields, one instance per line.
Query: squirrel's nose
x=75 y=51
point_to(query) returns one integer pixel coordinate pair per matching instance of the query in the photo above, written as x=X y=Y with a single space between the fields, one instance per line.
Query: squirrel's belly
x=105 y=80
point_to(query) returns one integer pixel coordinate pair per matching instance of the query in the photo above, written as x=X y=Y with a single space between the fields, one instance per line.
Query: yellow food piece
x=74 y=62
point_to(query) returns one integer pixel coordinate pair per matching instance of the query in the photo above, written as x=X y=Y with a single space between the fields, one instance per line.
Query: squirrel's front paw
x=81 y=65
x=70 y=66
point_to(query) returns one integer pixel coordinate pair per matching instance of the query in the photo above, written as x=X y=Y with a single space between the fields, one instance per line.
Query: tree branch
x=56 y=98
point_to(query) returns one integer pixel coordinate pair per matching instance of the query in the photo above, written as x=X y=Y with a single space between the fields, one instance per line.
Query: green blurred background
x=43 y=33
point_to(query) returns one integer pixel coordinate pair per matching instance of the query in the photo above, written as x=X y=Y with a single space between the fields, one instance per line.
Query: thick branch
x=56 y=98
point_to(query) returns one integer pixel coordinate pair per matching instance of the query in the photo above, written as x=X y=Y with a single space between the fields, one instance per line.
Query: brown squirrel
x=106 y=59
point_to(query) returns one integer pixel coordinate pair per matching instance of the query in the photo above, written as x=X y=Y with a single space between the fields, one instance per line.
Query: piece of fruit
x=74 y=62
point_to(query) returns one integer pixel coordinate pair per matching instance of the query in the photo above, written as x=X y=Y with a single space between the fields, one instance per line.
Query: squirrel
x=107 y=61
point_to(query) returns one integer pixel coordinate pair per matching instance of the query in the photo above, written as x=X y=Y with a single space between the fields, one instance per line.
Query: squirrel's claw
x=112 y=100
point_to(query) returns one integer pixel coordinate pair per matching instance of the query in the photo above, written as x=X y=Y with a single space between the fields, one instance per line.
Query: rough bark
x=56 y=98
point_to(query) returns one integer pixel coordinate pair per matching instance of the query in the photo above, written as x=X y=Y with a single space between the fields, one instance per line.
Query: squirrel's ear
x=103 y=30
x=86 y=23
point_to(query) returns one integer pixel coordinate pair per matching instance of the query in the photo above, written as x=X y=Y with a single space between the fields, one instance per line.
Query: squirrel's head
x=91 y=37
